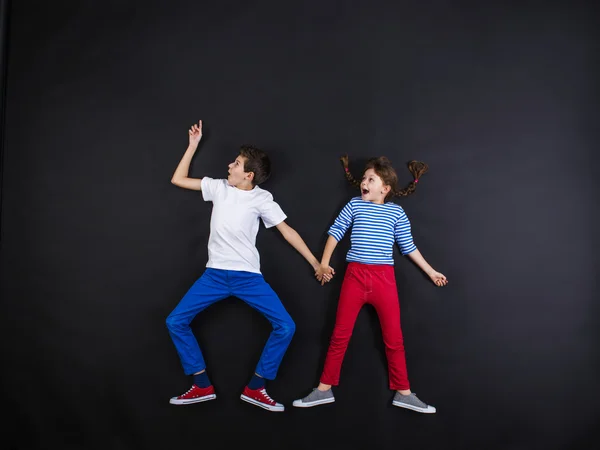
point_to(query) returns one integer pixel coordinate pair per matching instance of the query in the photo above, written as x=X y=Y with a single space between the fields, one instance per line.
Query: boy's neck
x=244 y=186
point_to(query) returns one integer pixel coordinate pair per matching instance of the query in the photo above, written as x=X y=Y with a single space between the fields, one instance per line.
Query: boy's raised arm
x=180 y=177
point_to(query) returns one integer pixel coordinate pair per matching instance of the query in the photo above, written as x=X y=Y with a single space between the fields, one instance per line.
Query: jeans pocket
x=388 y=278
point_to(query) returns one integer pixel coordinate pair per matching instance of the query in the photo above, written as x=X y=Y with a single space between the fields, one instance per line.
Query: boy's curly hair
x=258 y=162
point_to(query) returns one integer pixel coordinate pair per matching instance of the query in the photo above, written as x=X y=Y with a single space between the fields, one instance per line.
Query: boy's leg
x=256 y=292
x=208 y=289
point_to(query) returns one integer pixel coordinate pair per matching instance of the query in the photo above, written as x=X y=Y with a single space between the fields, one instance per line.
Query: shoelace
x=264 y=392
x=189 y=390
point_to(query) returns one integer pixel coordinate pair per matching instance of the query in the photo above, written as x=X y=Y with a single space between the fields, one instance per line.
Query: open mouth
x=365 y=191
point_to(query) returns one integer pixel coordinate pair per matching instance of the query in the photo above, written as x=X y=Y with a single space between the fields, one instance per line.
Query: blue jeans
x=215 y=285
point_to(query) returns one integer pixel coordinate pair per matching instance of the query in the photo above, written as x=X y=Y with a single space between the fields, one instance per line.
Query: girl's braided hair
x=383 y=168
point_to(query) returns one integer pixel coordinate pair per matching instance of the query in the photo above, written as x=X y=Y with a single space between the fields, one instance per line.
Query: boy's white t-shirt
x=234 y=224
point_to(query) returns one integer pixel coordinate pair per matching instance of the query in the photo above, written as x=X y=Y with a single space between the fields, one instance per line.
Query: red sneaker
x=259 y=397
x=194 y=395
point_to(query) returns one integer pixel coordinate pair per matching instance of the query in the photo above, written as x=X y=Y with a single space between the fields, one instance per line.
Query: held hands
x=438 y=278
x=324 y=274
x=195 y=133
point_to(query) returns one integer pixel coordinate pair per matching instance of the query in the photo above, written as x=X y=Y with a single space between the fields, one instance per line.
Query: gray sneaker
x=412 y=402
x=316 y=397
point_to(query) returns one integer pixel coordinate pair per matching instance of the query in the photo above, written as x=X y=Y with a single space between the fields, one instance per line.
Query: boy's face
x=237 y=176
x=372 y=188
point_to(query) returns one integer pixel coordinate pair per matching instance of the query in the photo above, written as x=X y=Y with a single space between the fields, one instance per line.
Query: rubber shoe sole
x=189 y=401
x=301 y=404
x=429 y=410
x=262 y=405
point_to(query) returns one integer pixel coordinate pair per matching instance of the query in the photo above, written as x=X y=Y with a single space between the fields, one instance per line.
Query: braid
x=417 y=169
x=349 y=177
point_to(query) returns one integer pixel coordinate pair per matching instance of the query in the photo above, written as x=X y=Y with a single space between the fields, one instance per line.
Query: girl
x=376 y=224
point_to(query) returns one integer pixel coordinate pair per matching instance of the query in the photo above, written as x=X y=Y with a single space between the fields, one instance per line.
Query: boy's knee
x=292 y=327
x=288 y=328
x=172 y=323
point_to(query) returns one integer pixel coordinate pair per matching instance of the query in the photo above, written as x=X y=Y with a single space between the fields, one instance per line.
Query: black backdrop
x=499 y=98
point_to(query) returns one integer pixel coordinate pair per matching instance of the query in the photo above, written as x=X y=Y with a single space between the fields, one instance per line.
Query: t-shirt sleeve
x=403 y=235
x=271 y=213
x=211 y=188
x=342 y=222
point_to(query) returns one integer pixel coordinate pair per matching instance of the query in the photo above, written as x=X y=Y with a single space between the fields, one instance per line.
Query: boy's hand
x=195 y=133
x=324 y=274
x=438 y=278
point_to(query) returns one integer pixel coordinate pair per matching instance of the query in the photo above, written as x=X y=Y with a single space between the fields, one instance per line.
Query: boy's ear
x=386 y=189
x=250 y=176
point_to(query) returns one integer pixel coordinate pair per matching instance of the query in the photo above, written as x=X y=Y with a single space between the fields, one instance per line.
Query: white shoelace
x=264 y=392
x=189 y=390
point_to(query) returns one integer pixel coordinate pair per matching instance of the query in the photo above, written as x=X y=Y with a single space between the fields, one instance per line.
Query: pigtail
x=349 y=177
x=383 y=167
x=417 y=170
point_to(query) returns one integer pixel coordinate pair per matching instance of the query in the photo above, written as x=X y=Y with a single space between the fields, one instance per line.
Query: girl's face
x=237 y=177
x=372 y=187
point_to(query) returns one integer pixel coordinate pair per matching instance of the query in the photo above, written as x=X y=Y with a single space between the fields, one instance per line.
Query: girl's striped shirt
x=375 y=228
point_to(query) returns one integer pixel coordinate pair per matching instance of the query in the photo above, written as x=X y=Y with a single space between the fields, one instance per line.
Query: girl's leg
x=352 y=298
x=384 y=299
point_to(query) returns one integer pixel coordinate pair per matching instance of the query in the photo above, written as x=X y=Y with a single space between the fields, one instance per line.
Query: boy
x=233 y=269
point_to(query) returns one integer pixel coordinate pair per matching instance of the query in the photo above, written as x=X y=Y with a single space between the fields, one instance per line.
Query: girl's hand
x=324 y=274
x=439 y=279
x=195 y=133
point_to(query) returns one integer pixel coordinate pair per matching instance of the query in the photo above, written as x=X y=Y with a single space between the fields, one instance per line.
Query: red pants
x=374 y=284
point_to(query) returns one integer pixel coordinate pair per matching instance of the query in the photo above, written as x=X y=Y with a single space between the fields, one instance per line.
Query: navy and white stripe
x=375 y=228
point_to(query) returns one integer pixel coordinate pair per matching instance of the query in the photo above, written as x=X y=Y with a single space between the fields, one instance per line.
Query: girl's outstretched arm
x=438 y=278
x=329 y=248
x=325 y=267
